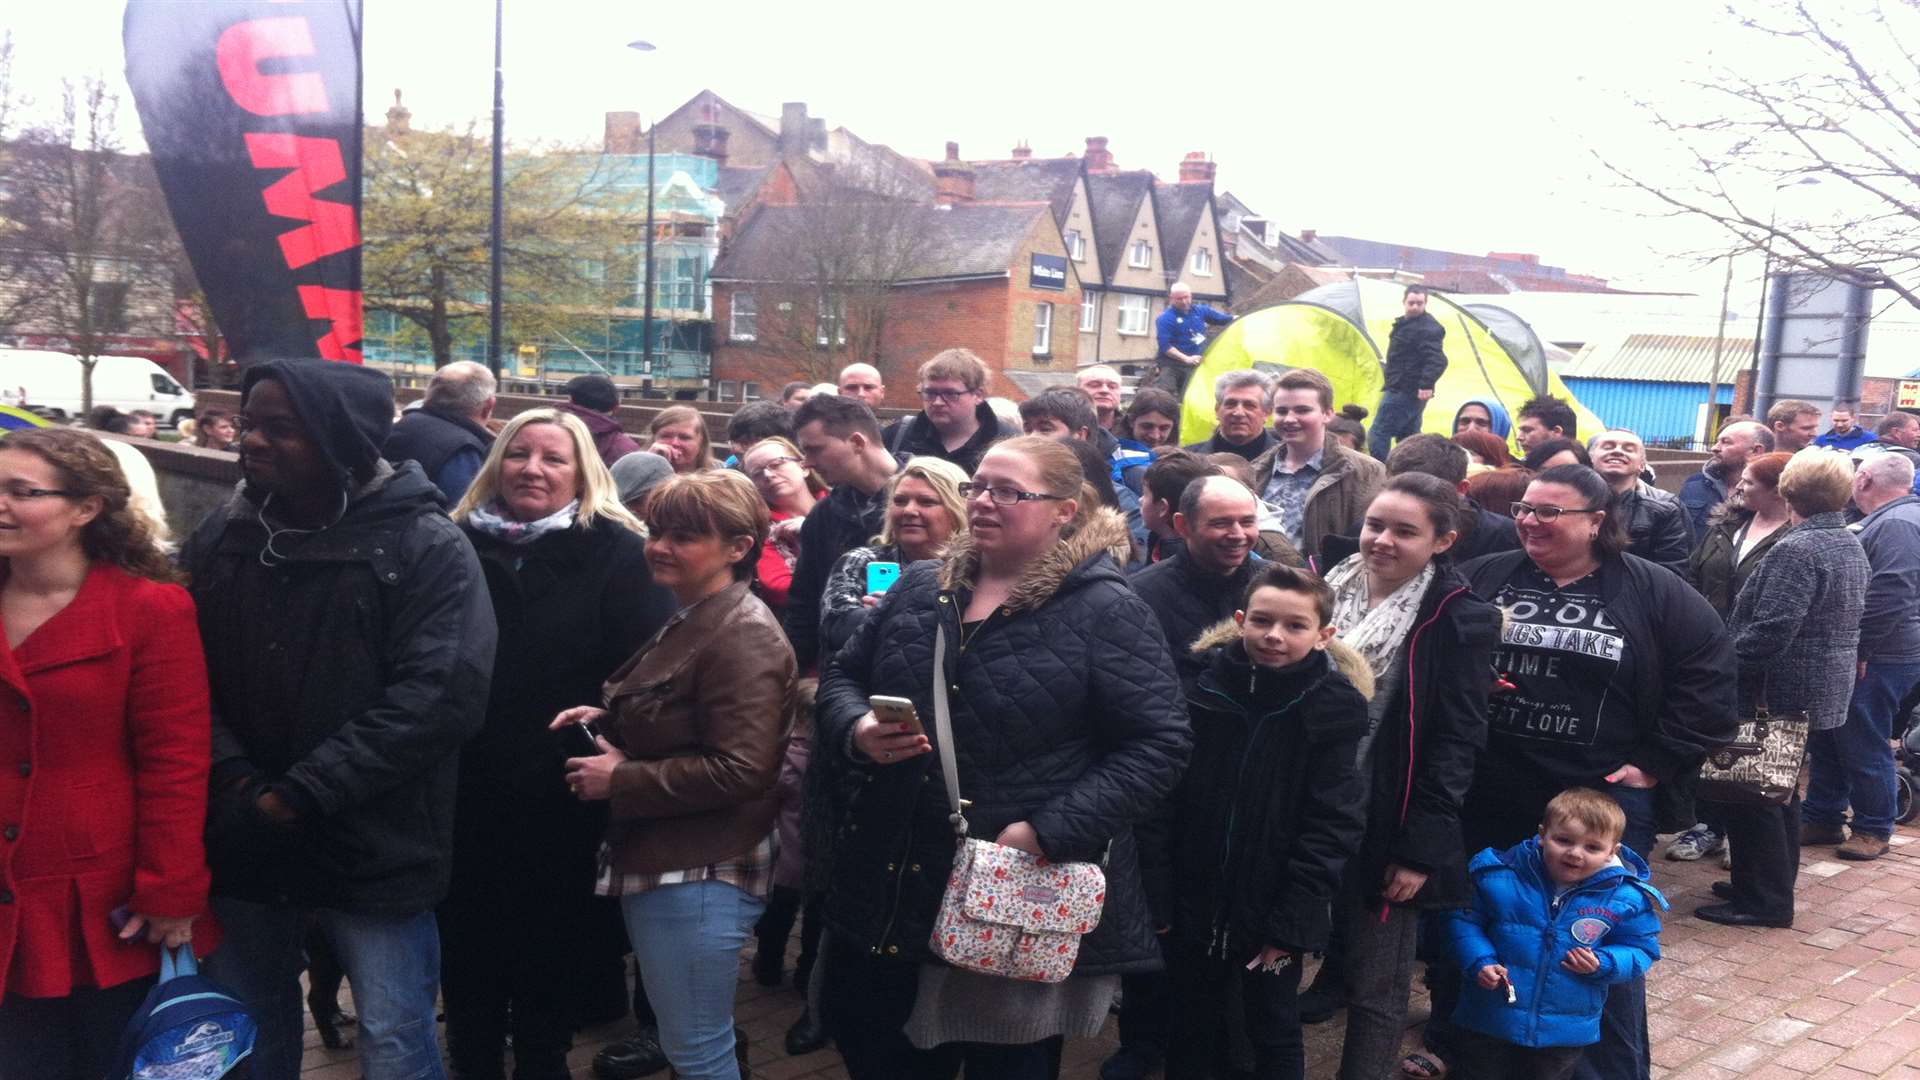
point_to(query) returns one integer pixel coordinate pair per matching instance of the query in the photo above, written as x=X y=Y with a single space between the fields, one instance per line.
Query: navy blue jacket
x=1517 y=922
x=1188 y=332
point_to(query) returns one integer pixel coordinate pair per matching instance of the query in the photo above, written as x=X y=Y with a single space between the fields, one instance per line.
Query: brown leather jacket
x=703 y=711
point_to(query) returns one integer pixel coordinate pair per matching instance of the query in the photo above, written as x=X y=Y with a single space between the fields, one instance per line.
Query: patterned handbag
x=1006 y=912
x=1762 y=764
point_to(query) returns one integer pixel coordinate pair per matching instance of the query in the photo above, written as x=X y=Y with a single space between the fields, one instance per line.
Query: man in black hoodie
x=349 y=644
x=841 y=441
x=1416 y=358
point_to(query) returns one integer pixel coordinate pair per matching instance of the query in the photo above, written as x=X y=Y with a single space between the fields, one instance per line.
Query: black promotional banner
x=251 y=109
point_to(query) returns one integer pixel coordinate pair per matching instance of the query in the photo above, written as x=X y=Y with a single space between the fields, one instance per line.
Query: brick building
x=994 y=277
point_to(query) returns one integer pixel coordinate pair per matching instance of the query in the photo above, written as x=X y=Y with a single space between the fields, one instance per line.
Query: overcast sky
x=1468 y=127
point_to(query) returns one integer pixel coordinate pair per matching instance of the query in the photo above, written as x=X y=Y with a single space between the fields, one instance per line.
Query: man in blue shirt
x=1182 y=330
x=1846 y=435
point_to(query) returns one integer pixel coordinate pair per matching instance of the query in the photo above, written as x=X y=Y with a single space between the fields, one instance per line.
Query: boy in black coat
x=1265 y=818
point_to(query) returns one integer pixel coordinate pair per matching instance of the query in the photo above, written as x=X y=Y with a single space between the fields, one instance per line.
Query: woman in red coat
x=104 y=748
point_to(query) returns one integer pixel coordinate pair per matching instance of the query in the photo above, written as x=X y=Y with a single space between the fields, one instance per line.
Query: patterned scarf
x=1374 y=634
x=492 y=520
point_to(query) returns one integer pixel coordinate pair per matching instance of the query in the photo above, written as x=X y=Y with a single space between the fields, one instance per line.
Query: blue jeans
x=1398 y=417
x=1853 y=763
x=393 y=962
x=687 y=939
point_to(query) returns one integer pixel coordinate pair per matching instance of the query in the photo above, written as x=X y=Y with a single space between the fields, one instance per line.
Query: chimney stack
x=1098 y=158
x=710 y=140
x=1022 y=151
x=1196 y=169
x=623 y=133
x=399 y=118
x=1309 y=235
x=952 y=179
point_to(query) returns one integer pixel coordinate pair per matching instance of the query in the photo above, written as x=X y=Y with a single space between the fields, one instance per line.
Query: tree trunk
x=438 y=330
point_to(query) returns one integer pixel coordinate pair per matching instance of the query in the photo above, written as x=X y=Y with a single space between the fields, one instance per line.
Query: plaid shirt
x=751 y=873
x=1287 y=493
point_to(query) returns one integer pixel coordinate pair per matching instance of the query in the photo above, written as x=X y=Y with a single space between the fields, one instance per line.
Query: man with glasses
x=955 y=423
x=1241 y=401
x=350 y=645
x=841 y=441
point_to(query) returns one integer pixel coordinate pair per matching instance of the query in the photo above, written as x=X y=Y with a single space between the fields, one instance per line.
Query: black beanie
x=594 y=392
x=347 y=407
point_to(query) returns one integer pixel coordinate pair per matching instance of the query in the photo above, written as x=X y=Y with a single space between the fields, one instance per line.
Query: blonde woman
x=924 y=510
x=566 y=568
x=679 y=434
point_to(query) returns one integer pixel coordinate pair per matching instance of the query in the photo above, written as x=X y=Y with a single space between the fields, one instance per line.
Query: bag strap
x=943 y=731
x=175 y=963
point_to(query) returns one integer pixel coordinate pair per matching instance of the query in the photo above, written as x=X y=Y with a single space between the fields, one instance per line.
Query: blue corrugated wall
x=1653 y=410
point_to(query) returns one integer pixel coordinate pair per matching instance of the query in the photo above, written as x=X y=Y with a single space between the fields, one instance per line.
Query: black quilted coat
x=1066 y=714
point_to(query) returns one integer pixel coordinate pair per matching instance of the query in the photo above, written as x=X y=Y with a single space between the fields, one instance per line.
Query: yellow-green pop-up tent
x=1341 y=330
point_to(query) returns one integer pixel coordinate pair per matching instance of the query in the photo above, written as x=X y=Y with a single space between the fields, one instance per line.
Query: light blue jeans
x=687 y=939
x=1853 y=763
x=391 y=961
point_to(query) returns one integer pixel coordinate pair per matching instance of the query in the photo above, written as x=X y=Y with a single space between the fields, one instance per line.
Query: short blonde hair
x=685 y=414
x=943 y=476
x=814 y=482
x=713 y=502
x=594 y=486
x=1816 y=481
x=960 y=365
x=1594 y=811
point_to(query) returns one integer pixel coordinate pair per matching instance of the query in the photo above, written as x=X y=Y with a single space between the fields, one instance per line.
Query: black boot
x=806 y=1035
x=630 y=1059
x=776 y=923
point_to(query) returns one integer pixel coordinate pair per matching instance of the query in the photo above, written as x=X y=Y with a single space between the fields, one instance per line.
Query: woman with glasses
x=789 y=489
x=567 y=574
x=103 y=690
x=1612 y=674
x=1068 y=730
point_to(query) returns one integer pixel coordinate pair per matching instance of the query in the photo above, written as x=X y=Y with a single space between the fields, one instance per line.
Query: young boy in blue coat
x=1555 y=921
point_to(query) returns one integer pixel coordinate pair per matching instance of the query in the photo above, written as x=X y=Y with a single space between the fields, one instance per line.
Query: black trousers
x=1483 y=1057
x=1271 y=1002
x=69 y=1038
x=1146 y=1012
x=1766 y=844
x=867 y=1001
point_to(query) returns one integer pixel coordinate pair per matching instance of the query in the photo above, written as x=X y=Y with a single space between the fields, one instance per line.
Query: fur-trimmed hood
x=1344 y=656
x=1105 y=530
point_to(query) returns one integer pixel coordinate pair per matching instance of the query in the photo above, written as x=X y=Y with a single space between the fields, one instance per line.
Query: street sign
x=1908 y=395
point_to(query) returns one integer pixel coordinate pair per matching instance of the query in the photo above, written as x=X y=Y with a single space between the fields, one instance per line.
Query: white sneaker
x=1694 y=843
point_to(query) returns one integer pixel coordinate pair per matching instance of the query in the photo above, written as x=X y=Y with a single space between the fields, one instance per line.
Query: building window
x=1202 y=262
x=1089 y=311
x=749 y=391
x=726 y=389
x=1133 y=315
x=1076 y=245
x=1042 y=329
x=830 y=327
x=1140 y=254
x=744 y=318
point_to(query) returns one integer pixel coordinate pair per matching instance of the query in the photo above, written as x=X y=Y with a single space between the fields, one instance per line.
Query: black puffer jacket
x=345 y=675
x=1066 y=714
x=1272 y=805
x=1422 y=757
x=1657 y=525
x=1189 y=600
x=1416 y=353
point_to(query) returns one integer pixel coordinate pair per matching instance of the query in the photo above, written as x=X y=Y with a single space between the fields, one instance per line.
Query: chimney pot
x=953 y=151
x=399 y=118
x=1021 y=151
x=1099 y=158
x=1196 y=169
x=1309 y=235
x=710 y=140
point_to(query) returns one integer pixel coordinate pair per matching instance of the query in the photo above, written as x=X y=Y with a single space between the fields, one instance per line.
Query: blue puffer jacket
x=1516 y=921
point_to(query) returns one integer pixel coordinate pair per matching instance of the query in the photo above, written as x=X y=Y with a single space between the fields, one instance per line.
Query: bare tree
x=1841 y=107
x=826 y=300
x=87 y=248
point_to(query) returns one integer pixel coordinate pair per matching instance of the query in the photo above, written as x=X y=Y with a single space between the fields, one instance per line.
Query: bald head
x=1880 y=479
x=1102 y=384
x=462 y=388
x=1220 y=521
x=862 y=383
x=1181 y=296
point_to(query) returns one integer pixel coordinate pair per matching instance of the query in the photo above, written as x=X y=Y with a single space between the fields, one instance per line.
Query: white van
x=49 y=383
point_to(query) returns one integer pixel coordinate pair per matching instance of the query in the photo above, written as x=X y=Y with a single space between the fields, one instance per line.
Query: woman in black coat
x=566 y=568
x=1068 y=730
x=1428 y=643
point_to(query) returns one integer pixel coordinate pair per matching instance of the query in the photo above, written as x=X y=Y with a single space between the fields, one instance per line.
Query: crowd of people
x=469 y=709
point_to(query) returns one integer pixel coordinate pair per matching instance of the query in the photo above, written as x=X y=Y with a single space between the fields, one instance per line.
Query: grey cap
x=637 y=473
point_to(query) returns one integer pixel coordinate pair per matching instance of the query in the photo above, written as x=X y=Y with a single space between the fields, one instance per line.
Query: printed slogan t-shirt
x=1570 y=717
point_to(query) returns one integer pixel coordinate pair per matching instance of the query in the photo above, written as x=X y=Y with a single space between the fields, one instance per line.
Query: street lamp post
x=646 y=274
x=495 y=238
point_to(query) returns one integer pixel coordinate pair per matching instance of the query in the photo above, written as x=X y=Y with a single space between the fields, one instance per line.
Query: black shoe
x=1723 y=889
x=1129 y=1064
x=768 y=965
x=1317 y=1005
x=806 y=1035
x=1728 y=915
x=329 y=1026
x=802 y=974
x=630 y=1059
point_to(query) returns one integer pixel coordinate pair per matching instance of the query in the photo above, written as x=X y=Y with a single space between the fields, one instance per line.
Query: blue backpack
x=188 y=1028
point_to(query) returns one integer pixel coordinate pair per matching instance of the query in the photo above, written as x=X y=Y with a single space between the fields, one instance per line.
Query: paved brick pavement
x=1837 y=997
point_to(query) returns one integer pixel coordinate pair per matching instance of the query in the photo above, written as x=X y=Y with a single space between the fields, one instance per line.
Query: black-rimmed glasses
x=1004 y=494
x=1547 y=515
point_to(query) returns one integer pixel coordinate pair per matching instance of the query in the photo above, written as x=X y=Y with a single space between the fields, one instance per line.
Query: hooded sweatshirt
x=348 y=408
x=1502 y=422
